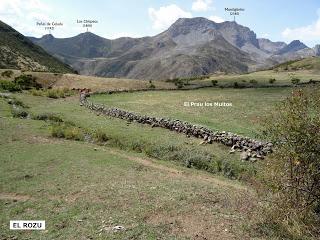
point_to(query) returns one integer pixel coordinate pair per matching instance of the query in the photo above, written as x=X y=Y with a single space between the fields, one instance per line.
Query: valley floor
x=83 y=190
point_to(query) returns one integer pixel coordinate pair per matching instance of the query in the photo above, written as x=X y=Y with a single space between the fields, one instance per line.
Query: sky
x=278 y=20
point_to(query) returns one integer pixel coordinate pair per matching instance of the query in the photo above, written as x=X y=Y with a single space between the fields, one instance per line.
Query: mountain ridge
x=18 y=52
x=189 y=47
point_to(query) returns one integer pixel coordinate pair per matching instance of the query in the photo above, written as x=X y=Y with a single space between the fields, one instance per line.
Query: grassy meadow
x=138 y=178
x=82 y=190
x=249 y=106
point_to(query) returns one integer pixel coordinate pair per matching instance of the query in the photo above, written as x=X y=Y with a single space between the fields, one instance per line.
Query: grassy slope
x=311 y=64
x=263 y=77
x=79 y=191
x=94 y=83
x=133 y=134
x=22 y=45
x=250 y=106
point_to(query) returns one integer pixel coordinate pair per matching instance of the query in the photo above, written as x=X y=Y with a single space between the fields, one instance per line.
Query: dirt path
x=14 y=196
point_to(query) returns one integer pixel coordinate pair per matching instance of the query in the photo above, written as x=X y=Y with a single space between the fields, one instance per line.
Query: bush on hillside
x=236 y=85
x=214 y=82
x=67 y=131
x=292 y=173
x=100 y=136
x=19 y=113
x=9 y=86
x=272 y=80
x=14 y=101
x=295 y=81
x=48 y=117
x=52 y=93
x=151 y=85
x=27 y=82
x=253 y=81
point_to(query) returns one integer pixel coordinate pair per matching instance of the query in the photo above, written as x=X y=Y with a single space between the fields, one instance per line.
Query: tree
x=214 y=82
x=295 y=81
x=272 y=80
x=292 y=173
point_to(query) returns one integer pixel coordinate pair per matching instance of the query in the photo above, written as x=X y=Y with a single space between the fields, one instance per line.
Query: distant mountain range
x=18 y=52
x=190 y=47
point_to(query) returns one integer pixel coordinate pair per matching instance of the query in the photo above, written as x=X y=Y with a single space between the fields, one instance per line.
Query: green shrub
x=63 y=130
x=236 y=85
x=36 y=92
x=151 y=85
x=100 y=136
x=199 y=159
x=48 y=117
x=292 y=173
x=295 y=81
x=272 y=80
x=53 y=93
x=19 y=113
x=178 y=83
x=58 y=131
x=7 y=73
x=9 y=86
x=27 y=82
x=58 y=93
x=214 y=82
x=16 y=102
x=74 y=133
x=311 y=81
x=253 y=81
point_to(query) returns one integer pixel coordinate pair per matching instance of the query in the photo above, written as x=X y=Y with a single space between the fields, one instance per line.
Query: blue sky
x=281 y=20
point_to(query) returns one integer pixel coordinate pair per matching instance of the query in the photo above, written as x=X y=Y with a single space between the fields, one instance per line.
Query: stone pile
x=252 y=149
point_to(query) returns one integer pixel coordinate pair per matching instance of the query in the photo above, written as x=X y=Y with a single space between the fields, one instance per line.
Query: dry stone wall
x=251 y=149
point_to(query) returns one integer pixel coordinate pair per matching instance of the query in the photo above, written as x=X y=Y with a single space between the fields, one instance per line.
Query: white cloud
x=35 y=16
x=201 y=5
x=306 y=33
x=23 y=14
x=20 y=7
x=165 y=16
x=216 y=19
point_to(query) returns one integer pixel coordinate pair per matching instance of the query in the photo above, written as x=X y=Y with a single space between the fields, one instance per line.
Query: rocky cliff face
x=316 y=50
x=269 y=46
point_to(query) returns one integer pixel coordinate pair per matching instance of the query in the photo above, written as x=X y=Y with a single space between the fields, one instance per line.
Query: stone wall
x=251 y=149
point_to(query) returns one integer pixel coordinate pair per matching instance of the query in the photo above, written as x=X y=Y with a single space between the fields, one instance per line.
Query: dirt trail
x=14 y=196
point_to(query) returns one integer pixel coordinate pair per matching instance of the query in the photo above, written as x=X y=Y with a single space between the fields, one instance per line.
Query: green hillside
x=18 y=52
x=311 y=63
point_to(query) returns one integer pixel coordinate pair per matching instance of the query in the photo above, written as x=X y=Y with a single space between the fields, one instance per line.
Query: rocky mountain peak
x=48 y=37
x=294 y=46
x=183 y=26
x=237 y=34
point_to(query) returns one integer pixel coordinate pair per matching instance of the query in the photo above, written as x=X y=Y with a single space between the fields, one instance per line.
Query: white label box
x=27 y=225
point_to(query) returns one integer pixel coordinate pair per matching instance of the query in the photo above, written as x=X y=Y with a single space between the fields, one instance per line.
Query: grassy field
x=57 y=80
x=249 y=106
x=138 y=178
x=82 y=190
x=261 y=78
